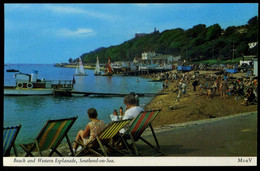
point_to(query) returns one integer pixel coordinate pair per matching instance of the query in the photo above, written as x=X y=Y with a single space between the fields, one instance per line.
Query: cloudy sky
x=52 y=33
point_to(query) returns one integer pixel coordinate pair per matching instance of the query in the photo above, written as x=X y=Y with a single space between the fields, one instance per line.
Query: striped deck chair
x=138 y=126
x=50 y=137
x=103 y=139
x=9 y=136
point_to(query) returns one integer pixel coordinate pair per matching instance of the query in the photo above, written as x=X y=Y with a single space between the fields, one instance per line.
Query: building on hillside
x=144 y=34
x=151 y=58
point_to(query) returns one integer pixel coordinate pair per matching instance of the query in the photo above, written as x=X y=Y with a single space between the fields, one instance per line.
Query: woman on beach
x=93 y=128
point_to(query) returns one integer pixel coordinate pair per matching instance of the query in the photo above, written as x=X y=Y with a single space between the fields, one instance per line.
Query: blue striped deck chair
x=9 y=136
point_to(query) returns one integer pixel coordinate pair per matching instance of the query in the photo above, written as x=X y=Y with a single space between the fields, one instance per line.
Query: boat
x=80 y=69
x=12 y=70
x=28 y=85
x=108 y=71
x=97 y=69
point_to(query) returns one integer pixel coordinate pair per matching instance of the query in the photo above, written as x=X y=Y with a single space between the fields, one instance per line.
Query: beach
x=191 y=107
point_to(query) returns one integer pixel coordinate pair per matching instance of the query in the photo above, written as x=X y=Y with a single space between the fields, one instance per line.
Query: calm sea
x=33 y=111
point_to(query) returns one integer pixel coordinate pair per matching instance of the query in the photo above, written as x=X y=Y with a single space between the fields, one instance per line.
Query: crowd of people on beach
x=220 y=84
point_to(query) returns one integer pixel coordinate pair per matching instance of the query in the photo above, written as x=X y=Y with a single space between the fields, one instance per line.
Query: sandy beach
x=194 y=105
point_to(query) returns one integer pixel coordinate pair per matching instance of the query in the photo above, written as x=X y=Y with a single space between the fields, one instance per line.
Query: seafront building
x=148 y=62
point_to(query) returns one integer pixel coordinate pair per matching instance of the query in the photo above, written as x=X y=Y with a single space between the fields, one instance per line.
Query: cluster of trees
x=198 y=43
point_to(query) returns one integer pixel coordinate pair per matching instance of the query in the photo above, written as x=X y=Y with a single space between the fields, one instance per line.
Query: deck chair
x=9 y=136
x=137 y=127
x=103 y=139
x=50 y=137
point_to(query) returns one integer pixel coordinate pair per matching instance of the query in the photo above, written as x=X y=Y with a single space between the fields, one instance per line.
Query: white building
x=148 y=55
x=255 y=71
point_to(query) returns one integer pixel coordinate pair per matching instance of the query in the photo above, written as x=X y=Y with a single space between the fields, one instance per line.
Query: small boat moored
x=12 y=70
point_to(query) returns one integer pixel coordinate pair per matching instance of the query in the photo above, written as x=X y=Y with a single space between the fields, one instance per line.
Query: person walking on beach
x=224 y=88
x=218 y=81
x=183 y=87
x=94 y=127
x=195 y=84
x=179 y=90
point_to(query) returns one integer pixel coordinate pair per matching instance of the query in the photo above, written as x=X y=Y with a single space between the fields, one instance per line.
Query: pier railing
x=62 y=83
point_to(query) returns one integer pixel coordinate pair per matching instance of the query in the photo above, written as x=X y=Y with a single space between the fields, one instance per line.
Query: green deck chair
x=50 y=137
x=138 y=126
x=103 y=139
x=9 y=136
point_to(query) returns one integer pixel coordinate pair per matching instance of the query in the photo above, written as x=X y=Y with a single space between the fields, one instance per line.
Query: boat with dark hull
x=28 y=85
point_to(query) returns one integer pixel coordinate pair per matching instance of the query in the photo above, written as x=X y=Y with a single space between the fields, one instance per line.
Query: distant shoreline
x=85 y=67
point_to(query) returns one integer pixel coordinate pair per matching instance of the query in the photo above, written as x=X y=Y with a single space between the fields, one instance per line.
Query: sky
x=52 y=33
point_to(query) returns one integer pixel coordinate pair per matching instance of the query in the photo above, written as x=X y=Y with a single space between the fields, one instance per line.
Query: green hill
x=198 y=43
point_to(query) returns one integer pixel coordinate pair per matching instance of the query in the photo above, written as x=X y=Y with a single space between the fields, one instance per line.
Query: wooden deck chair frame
x=10 y=134
x=137 y=126
x=103 y=139
x=53 y=132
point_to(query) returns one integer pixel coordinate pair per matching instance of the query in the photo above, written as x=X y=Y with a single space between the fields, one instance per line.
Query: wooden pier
x=66 y=92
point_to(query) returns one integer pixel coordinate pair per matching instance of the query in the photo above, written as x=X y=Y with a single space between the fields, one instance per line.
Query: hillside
x=195 y=44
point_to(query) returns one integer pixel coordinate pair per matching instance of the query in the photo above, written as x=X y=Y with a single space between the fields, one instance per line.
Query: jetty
x=66 y=92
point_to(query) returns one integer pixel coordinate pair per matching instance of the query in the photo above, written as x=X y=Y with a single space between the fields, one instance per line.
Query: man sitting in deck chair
x=132 y=109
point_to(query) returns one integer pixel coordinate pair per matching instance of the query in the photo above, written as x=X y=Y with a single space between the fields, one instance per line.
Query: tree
x=213 y=32
x=70 y=60
x=197 y=43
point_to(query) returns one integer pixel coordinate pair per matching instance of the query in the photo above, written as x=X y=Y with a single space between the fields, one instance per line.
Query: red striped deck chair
x=103 y=139
x=9 y=136
x=50 y=137
x=138 y=126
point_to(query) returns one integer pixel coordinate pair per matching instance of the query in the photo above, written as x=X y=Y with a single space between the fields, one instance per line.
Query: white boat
x=80 y=69
x=28 y=85
x=97 y=69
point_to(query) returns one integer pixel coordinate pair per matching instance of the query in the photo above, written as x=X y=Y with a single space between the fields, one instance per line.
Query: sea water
x=32 y=112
